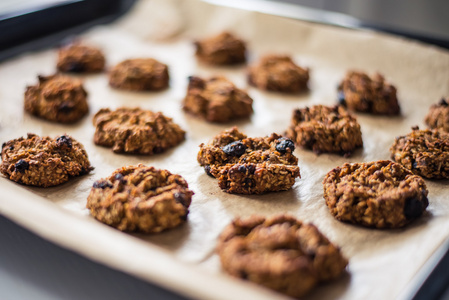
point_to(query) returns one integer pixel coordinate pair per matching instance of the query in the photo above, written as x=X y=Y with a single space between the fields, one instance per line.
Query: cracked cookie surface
x=57 y=98
x=438 y=116
x=325 y=129
x=140 y=198
x=221 y=49
x=139 y=74
x=44 y=161
x=216 y=100
x=245 y=165
x=380 y=194
x=362 y=93
x=133 y=130
x=424 y=152
x=80 y=58
x=280 y=253
x=278 y=73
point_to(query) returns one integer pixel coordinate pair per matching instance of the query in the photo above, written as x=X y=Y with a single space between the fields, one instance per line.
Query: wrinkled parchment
x=382 y=262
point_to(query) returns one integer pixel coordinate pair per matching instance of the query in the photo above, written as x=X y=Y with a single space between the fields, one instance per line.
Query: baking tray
x=163 y=259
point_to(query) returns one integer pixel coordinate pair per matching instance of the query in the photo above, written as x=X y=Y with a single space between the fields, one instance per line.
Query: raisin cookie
x=280 y=253
x=424 y=152
x=374 y=95
x=245 y=165
x=222 y=49
x=139 y=74
x=216 y=99
x=278 y=73
x=80 y=58
x=133 y=130
x=380 y=194
x=140 y=198
x=438 y=116
x=43 y=161
x=57 y=98
x=325 y=129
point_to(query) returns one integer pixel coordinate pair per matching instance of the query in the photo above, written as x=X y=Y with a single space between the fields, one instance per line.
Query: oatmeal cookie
x=57 y=98
x=43 y=161
x=280 y=253
x=133 y=130
x=245 y=165
x=140 y=198
x=374 y=95
x=380 y=194
x=80 y=58
x=216 y=99
x=278 y=73
x=222 y=49
x=325 y=129
x=424 y=152
x=140 y=74
x=438 y=116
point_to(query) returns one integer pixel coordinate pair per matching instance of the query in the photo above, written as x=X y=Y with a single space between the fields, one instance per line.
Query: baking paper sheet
x=381 y=262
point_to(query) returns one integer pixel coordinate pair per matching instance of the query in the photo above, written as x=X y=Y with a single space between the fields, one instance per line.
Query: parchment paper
x=381 y=262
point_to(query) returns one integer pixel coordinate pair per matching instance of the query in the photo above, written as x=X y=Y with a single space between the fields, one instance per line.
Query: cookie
x=80 y=58
x=216 y=99
x=325 y=129
x=280 y=253
x=278 y=73
x=57 y=98
x=139 y=74
x=245 y=165
x=140 y=198
x=424 y=152
x=133 y=130
x=374 y=95
x=222 y=49
x=43 y=161
x=438 y=116
x=380 y=194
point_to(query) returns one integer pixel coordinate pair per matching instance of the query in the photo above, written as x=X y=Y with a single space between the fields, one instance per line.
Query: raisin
x=443 y=102
x=180 y=198
x=413 y=208
x=119 y=177
x=248 y=182
x=11 y=147
x=21 y=166
x=284 y=145
x=251 y=169
x=341 y=98
x=234 y=149
x=64 y=140
x=196 y=82
x=3 y=145
x=207 y=170
x=242 y=169
x=76 y=67
x=65 y=107
x=102 y=185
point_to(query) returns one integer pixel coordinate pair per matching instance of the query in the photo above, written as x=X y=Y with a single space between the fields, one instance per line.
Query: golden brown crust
x=139 y=74
x=133 y=130
x=57 y=98
x=140 y=198
x=325 y=129
x=245 y=165
x=43 y=161
x=374 y=95
x=221 y=49
x=280 y=253
x=380 y=194
x=216 y=99
x=278 y=73
x=424 y=152
x=80 y=58
x=438 y=116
